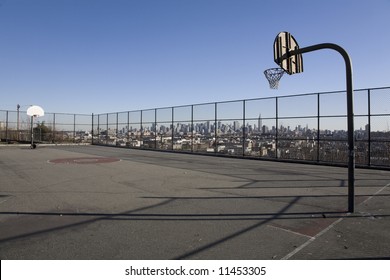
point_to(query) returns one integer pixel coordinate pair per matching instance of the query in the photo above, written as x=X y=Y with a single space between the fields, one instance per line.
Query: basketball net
x=273 y=76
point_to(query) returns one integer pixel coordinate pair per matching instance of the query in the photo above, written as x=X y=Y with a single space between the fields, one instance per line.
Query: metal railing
x=306 y=127
x=15 y=127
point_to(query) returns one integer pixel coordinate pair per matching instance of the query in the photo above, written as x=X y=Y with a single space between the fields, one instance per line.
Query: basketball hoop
x=273 y=76
x=34 y=112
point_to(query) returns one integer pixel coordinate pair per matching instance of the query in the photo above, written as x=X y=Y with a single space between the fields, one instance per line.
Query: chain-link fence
x=15 y=127
x=307 y=127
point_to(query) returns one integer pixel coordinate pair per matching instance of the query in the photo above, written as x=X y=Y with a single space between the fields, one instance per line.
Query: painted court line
x=379 y=191
x=308 y=242
x=296 y=250
x=289 y=231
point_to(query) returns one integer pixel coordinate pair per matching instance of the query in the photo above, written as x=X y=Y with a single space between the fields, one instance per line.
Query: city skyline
x=326 y=111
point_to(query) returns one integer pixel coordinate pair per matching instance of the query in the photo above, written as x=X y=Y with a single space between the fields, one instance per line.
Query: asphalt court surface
x=92 y=202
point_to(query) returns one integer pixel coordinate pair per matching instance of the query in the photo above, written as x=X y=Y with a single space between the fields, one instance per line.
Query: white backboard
x=283 y=44
x=35 y=111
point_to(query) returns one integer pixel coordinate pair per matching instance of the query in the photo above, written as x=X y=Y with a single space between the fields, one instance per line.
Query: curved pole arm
x=350 y=114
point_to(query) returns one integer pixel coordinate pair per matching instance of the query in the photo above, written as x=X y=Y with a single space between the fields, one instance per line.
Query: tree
x=42 y=132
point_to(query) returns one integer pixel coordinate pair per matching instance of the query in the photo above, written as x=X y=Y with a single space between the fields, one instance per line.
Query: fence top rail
x=207 y=103
x=242 y=100
x=47 y=113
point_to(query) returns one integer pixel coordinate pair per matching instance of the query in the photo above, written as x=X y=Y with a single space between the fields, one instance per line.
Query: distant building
x=259 y=122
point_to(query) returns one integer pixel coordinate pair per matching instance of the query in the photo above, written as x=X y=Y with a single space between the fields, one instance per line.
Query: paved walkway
x=91 y=202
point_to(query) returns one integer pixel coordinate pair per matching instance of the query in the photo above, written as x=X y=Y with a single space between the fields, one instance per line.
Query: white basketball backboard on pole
x=34 y=111
x=288 y=56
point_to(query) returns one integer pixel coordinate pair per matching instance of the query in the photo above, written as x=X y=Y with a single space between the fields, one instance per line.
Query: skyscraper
x=259 y=123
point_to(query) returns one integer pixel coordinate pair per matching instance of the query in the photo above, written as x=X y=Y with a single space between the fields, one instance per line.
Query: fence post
x=18 y=122
x=192 y=128
x=243 y=128
x=54 y=128
x=155 y=129
x=74 y=128
x=215 y=127
x=173 y=131
x=6 y=126
x=98 y=128
x=277 y=128
x=92 y=129
x=369 y=126
x=142 y=133
x=318 y=127
x=117 y=128
x=128 y=128
x=107 y=136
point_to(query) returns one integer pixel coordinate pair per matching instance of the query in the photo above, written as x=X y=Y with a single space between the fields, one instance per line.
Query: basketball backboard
x=285 y=43
x=35 y=111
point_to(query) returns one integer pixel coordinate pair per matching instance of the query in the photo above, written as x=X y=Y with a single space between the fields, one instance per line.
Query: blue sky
x=95 y=56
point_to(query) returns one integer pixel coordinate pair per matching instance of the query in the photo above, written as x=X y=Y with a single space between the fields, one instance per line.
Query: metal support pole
x=215 y=127
x=318 y=127
x=350 y=115
x=277 y=128
x=92 y=127
x=141 y=132
x=74 y=128
x=6 y=127
x=117 y=129
x=32 y=132
x=155 y=131
x=107 y=130
x=244 y=128
x=18 y=122
x=369 y=126
x=128 y=129
x=192 y=128
x=98 y=129
x=54 y=128
x=173 y=131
